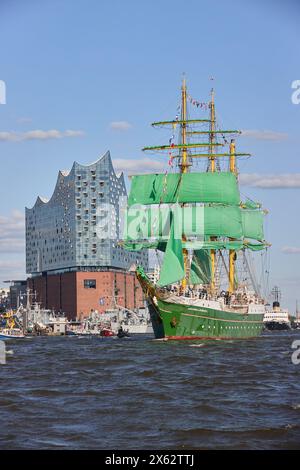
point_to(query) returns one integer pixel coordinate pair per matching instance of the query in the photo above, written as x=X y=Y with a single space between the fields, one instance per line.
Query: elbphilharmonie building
x=73 y=252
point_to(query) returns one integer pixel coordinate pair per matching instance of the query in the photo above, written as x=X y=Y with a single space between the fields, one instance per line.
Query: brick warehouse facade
x=72 y=244
x=77 y=293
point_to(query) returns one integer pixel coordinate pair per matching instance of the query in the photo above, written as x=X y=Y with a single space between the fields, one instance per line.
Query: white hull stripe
x=215 y=319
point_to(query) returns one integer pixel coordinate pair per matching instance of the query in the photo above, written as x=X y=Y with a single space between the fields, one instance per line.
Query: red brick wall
x=120 y=288
x=54 y=293
x=106 y=282
x=66 y=292
x=88 y=299
x=57 y=292
x=139 y=296
x=130 y=291
x=38 y=288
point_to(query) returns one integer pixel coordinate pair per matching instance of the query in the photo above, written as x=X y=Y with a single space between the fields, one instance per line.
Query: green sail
x=172 y=269
x=214 y=220
x=253 y=224
x=218 y=187
x=200 y=272
x=153 y=188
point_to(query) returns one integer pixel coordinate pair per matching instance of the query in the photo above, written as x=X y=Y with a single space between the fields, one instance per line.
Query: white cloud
x=12 y=233
x=132 y=166
x=11 y=264
x=264 y=135
x=269 y=181
x=12 y=270
x=291 y=250
x=120 y=125
x=12 y=246
x=38 y=134
x=8 y=245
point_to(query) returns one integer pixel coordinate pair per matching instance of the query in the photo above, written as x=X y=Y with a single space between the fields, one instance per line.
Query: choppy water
x=136 y=393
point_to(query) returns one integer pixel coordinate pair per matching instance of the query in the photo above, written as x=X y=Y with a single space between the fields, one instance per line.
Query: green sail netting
x=219 y=221
x=253 y=224
x=172 y=269
x=219 y=187
x=215 y=220
x=200 y=272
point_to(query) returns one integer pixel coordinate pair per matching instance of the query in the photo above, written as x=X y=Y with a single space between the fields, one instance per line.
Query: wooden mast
x=212 y=163
x=184 y=168
x=232 y=254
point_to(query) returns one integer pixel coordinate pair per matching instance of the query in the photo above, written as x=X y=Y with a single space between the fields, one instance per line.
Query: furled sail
x=249 y=204
x=197 y=245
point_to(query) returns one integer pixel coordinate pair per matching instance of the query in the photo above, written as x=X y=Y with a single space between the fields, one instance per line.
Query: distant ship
x=10 y=327
x=131 y=322
x=11 y=333
x=277 y=318
x=193 y=214
x=296 y=322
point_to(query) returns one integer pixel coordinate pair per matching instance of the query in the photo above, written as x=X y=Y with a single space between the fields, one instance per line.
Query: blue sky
x=82 y=65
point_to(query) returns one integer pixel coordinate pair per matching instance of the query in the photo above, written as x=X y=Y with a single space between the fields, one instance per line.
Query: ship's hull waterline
x=183 y=322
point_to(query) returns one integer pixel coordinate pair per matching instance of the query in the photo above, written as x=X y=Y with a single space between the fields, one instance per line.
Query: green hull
x=177 y=321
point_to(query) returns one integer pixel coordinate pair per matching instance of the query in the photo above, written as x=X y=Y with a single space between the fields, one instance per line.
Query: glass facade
x=78 y=228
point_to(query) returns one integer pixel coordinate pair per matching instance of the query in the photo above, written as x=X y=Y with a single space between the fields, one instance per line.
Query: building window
x=89 y=283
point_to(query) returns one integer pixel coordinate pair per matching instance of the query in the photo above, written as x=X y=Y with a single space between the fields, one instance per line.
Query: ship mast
x=209 y=149
x=212 y=163
x=212 y=129
x=232 y=254
x=184 y=163
x=184 y=168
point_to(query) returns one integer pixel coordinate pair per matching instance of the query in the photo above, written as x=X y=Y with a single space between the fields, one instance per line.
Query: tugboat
x=193 y=214
x=277 y=318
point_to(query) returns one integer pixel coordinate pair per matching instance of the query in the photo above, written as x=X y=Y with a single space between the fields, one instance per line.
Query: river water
x=138 y=393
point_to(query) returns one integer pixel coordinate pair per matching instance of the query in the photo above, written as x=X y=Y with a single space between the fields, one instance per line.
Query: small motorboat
x=106 y=332
x=11 y=333
x=122 y=333
x=71 y=333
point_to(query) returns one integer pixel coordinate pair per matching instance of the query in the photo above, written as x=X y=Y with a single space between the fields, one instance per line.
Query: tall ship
x=194 y=220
